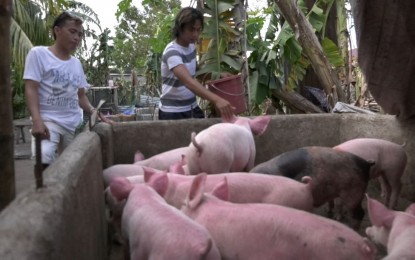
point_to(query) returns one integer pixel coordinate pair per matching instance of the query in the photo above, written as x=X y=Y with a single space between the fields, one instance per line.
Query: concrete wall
x=64 y=220
x=285 y=132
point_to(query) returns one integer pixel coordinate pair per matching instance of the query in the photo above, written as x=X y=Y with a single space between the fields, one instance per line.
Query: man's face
x=69 y=35
x=191 y=33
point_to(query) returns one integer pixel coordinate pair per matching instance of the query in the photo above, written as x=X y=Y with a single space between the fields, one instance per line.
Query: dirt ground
x=23 y=164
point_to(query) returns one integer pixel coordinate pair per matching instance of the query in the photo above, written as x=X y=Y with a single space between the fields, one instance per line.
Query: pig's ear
x=138 y=156
x=178 y=166
x=379 y=214
x=221 y=190
x=259 y=124
x=160 y=183
x=197 y=188
x=148 y=173
x=120 y=188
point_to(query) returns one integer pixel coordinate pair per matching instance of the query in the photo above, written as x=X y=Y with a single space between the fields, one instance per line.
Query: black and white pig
x=335 y=174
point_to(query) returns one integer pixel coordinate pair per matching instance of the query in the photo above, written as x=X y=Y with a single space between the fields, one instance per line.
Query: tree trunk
x=7 y=183
x=343 y=42
x=312 y=48
x=297 y=102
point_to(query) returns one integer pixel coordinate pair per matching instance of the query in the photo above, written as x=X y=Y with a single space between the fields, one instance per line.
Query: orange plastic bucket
x=231 y=89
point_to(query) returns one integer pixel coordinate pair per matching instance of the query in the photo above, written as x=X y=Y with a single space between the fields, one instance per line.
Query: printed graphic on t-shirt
x=64 y=90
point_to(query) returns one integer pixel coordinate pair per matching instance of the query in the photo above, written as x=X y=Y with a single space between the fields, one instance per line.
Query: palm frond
x=21 y=44
x=85 y=13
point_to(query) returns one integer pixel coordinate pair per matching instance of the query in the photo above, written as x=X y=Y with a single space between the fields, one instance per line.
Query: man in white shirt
x=55 y=85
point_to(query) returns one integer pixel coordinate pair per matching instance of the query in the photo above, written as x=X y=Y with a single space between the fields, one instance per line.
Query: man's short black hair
x=61 y=19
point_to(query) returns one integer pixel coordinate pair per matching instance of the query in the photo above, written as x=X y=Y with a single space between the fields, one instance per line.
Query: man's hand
x=39 y=128
x=105 y=120
x=226 y=109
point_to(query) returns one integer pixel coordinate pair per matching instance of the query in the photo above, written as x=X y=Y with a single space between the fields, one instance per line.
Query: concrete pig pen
x=66 y=220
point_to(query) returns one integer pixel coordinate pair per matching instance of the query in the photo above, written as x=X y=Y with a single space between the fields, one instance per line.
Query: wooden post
x=38 y=165
x=312 y=48
x=7 y=178
x=116 y=99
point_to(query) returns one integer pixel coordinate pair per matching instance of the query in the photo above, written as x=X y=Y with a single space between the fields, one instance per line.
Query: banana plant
x=265 y=68
x=284 y=53
x=224 y=49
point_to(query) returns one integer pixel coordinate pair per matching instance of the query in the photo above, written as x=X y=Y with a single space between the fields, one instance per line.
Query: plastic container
x=231 y=89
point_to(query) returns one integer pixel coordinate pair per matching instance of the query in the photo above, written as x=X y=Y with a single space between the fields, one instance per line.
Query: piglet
x=335 y=174
x=390 y=163
x=121 y=170
x=161 y=161
x=225 y=147
x=115 y=207
x=265 y=231
x=393 y=229
x=243 y=188
x=155 y=230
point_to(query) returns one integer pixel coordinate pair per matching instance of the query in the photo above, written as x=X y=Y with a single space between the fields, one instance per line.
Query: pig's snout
x=368 y=247
x=369 y=232
x=377 y=235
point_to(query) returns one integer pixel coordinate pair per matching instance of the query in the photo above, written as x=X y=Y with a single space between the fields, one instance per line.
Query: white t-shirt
x=175 y=96
x=59 y=83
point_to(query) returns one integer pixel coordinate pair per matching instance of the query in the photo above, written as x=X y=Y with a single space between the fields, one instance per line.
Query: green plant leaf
x=231 y=62
x=259 y=92
x=223 y=6
x=208 y=68
x=332 y=52
x=316 y=18
x=292 y=50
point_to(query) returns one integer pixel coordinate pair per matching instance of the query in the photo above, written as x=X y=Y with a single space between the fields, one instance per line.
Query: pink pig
x=393 y=229
x=115 y=208
x=225 y=147
x=243 y=188
x=121 y=170
x=161 y=161
x=265 y=231
x=114 y=205
x=390 y=163
x=155 y=230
